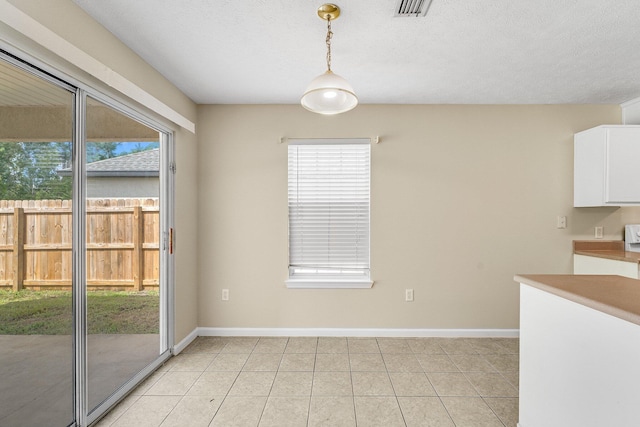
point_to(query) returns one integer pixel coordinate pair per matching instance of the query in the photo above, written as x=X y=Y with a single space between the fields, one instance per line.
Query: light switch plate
x=599 y=233
x=408 y=295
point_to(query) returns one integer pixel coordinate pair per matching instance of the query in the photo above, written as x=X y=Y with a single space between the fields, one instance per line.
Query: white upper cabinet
x=607 y=166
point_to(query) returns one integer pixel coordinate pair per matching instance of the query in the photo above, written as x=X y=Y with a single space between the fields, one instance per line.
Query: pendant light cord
x=329 y=35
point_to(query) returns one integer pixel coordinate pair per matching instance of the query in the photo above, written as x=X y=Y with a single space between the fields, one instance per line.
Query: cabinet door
x=623 y=164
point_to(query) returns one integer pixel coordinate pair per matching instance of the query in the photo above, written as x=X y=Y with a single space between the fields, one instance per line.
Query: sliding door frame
x=78 y=251
x=166 y=259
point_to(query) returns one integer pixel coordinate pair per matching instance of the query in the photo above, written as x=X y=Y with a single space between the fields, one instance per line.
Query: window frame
x=345 y=278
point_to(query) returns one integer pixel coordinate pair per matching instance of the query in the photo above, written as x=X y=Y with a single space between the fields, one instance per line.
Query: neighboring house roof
x=144 y=163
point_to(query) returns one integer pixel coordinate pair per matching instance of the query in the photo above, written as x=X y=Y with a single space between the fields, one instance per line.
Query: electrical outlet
x=225 y=295
x=561 y=222
x=599 y=234
x=408 y=295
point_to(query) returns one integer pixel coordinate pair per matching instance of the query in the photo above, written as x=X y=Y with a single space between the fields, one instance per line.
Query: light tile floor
x=333 y=382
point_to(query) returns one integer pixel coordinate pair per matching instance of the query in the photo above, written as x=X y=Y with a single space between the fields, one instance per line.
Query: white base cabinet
x=578 y=366
x=606 y=164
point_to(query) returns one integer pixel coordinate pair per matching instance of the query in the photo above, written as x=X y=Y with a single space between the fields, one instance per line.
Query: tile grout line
x=187 y=392
x=434 y=387
x=483 y=398
x=137 y=399
x=353 y=396
x=123 y=412
x=386 y=369
x=224 y=398
x=446 y=410
x=266 y=402
x=353 y=393
x=395 y=394
x=204 y=370
x=232 y=384
x=494 y=412
x=313 y=378
x=172 y=409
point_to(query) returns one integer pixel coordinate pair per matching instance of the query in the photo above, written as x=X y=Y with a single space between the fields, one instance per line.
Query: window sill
x=329 y=283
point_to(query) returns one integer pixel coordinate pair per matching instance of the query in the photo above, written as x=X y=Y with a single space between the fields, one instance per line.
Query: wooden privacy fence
x=123 y=238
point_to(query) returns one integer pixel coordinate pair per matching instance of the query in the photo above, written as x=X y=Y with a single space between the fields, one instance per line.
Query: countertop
x=610 y=249
x=615 y=295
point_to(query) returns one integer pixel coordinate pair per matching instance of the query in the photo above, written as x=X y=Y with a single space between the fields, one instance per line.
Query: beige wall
x=463 y=198
x=70 y=22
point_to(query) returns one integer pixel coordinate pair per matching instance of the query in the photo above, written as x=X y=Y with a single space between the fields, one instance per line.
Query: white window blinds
x=329 y=209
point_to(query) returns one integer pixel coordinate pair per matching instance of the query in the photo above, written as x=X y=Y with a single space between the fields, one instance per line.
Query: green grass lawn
x=49 y=312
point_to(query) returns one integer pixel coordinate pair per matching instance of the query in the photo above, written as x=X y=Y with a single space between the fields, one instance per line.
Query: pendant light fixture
x=329 y=93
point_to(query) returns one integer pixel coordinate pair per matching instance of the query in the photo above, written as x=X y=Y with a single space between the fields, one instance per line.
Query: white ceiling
x=462 y=52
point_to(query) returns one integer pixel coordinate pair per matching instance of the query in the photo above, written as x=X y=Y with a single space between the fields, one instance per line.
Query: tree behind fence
x=123 y=237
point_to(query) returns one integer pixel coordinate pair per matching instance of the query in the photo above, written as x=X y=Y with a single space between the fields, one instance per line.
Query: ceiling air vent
x=413 y=8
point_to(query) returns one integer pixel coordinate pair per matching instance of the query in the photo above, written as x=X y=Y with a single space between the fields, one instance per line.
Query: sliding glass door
x=84 y=249
x=36 y=308
x=123 y=273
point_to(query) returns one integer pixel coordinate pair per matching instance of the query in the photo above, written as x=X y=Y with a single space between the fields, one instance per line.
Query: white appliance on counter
x=632 y=238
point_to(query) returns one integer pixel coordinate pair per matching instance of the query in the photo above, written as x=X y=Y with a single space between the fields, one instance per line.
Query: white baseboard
x=341 y=332
x=185 y=342
x=356 y=332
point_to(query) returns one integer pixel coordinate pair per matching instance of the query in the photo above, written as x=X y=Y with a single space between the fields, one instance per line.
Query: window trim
x=326 y=283
x=317 y=281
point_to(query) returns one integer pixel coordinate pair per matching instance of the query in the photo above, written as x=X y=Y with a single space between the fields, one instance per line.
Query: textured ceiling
x=462 y=52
